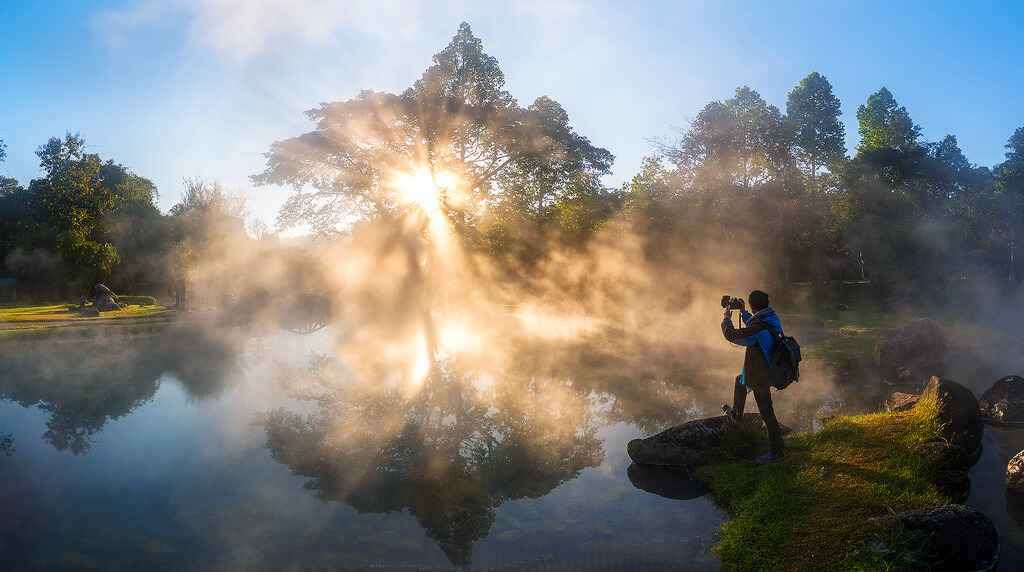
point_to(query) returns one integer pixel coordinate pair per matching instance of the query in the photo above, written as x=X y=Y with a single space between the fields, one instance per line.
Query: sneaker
x=770 y=457
x=730 y=414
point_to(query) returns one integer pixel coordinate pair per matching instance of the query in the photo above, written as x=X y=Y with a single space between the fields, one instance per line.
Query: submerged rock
x=1003 y=403
x=955 y=538
x=686 y=445
x=919 y=347
x=901 y=401
x=959 y=415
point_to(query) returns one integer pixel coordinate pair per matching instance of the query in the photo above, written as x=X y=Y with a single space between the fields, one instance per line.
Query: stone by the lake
x=686 y=445
x=901 y=401
x=919 y=347
x=956 y=538
x=1015 y=473
x=1003 y=403
x=958 y=413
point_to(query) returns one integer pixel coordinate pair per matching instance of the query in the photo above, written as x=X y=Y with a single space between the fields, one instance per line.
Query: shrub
x=137 y=300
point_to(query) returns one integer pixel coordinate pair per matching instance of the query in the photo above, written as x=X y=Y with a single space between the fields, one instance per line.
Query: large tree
x=742 y=143
x=818 y=135
x=455 y=131
x=438 y=154
x=1010 y=196
x=885 y=124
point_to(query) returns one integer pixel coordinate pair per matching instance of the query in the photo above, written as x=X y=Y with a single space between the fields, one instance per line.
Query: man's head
x=758 y=301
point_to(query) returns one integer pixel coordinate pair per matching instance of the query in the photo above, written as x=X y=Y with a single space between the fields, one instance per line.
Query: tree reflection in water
x=451 y=454
x=84 y=383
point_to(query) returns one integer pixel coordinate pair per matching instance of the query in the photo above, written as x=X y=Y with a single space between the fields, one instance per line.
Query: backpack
x=784 y=367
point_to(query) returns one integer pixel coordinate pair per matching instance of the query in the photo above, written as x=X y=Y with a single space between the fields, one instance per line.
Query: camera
x=731 y=303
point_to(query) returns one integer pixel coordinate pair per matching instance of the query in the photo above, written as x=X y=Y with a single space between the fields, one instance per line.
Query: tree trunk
x=1013 y=247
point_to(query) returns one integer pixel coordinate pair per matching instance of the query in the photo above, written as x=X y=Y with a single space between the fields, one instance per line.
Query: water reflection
x=465 y=443
x=669 y=482
x=84 y=383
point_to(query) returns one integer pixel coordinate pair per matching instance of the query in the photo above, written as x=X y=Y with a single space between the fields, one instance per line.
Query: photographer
x=759 y=336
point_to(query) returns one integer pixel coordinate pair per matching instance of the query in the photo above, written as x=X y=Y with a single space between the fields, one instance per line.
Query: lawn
x=65 y=313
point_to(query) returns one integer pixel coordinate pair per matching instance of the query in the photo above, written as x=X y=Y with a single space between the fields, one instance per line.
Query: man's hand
x=743 y=305
x=728 y=313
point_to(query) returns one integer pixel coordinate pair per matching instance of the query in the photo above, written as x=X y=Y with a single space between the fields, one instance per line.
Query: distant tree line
x=513 y=183
x=88 y=221
x=904 y=213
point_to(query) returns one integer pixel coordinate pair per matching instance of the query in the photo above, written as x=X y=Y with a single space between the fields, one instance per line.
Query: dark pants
x=761 y=389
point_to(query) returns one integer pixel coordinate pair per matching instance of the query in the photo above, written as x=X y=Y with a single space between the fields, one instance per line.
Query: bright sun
x=422 y=188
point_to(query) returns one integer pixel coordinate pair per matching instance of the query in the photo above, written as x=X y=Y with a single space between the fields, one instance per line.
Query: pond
x=199 y=448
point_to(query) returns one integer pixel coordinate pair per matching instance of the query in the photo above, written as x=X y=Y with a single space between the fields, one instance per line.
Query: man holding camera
x=759 y=335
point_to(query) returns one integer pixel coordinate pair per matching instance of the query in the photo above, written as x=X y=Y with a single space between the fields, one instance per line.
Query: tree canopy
x=456 y=129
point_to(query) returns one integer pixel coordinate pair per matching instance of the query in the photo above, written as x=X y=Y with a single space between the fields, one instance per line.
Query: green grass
x=809 y=511
x=39 y=314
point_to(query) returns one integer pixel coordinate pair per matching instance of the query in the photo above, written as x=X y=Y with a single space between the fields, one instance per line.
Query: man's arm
x=741 y=336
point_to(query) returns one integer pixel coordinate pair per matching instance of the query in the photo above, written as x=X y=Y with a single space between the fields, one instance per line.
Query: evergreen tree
x=818 y=135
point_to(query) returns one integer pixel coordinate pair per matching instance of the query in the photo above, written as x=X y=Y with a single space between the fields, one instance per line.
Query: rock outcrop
x=686 y=445
x=901 y=401
x=919 y=348
x=1003 y=403
x=958 y=413
x=956 y=538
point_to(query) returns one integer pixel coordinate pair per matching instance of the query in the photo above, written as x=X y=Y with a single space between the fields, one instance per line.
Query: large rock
x=686 y=445
x=955 y=538
x=1003 y=403
x=1015 y=473
x=958 y=413
x=919 y=348
x=901 y=401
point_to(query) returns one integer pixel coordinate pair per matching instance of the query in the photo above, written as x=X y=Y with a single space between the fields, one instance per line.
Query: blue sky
x=176 y=88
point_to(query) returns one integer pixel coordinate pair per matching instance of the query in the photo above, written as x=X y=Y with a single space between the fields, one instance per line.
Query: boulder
x=951 y=462
x=919 y=347
x=901 y=401
x=1015 y=473
x=958 y=492
x=1003 y=403
x=958 y=413
x=902 y=376
x=955 y=538
x=686 y=445
x=90 y=312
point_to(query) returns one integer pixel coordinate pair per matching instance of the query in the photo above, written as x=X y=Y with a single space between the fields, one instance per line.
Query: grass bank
x=69 y=313
x=27 y=320
x=809 y=511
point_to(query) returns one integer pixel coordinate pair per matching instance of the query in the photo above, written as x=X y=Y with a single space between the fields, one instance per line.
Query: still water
x=202 y=449
x=190 y=451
